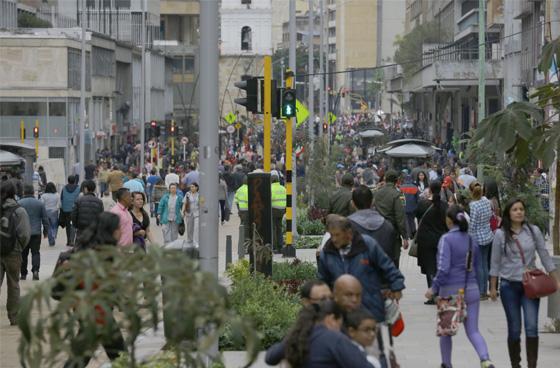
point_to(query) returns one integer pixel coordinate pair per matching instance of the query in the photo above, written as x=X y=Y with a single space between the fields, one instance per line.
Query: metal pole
x=321 y=68
x=208 y=128
x=143 y=88
x=292 y=63
x=481 y=60
x=267 y=113
x=82 y=99
x=310 y=71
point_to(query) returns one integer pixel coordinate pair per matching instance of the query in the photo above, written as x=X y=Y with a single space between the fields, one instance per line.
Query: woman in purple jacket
x=455 y=270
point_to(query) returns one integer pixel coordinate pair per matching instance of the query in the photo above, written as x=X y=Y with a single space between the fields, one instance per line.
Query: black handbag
x=62 y=219
x=181 y=228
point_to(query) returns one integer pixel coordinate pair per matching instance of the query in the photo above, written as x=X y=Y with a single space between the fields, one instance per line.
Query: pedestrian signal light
x=289 y=103
x=36 y=132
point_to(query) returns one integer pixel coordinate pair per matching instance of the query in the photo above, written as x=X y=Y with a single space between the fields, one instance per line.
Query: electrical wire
x=427 y=54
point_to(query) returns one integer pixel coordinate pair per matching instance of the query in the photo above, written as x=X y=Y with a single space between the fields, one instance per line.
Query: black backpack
x=8 y=232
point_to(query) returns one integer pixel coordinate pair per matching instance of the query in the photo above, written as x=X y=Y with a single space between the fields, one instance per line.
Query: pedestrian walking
x=458 y=255
x=105 y=231
x=151 y=182
x=140 y=221
x=169 y=213
x=431 y=219
x=37 y=216
x=191 y=211
x=480 y=230
x=340 y=202
x=68 y=197
x=222 y=199
x=316 y=341
x=124 y=200
x=115 y=181
x=516 y=244
x=348 y=252
x=102 y=176
x=134 y=183
x=51 y=200
x=362 y=329
x=87 y=207
x=158 y=192
x=313 y=292
x=388 y=203
x=14 y=237
x=242 y=200
x=171 y=178
x=411 y=195
x=278 y=196
x=107 y=200
x=368 y=221
x=422 y=183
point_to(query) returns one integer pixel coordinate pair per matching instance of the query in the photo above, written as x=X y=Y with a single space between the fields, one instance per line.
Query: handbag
x=451 y=310
x=413 y=243
x=536 y=283
x=181 y=228
x=61 y=219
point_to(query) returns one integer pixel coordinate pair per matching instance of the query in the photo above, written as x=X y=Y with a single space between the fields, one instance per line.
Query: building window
x=162 y=28
x=246 y=2
x=74 y=68
x=56 y=152
x=103 y=62
x=246 y=38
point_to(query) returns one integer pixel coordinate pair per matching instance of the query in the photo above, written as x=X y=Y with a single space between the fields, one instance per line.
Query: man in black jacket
x=87 y=207
x=367 y=221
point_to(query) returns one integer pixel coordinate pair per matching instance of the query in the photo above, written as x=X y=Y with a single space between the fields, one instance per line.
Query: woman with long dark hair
x=140 y=221
x=481 y=213
x=51 y=200
x=458 y=255
x=422 y=182
x=104 y=232
x=431 y=226
x=516 y=244
x=316 y=341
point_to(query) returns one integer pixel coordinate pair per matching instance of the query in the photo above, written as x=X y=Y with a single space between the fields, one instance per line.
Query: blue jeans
x=515 y=302
x=483 y=268
x=53 y=226
x=229 y=198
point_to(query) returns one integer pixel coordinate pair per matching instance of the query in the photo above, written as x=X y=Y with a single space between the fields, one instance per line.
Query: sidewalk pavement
x=416 y=347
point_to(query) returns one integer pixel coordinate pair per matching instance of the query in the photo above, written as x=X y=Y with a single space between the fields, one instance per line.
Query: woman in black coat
x=431 y=216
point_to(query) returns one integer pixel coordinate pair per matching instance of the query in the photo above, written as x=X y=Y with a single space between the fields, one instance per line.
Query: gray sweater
x=506 y=259
x=37 y=214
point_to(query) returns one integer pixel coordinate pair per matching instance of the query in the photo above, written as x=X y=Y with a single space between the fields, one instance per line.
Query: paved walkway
x=416 y=347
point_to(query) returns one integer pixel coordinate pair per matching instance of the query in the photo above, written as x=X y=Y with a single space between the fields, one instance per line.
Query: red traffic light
x=172 y=129
x=153 y=123
x=325 y=127
x=36 y=132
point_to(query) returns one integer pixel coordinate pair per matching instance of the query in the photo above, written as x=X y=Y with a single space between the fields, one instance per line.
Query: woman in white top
x=191 y=212
x=51 y=200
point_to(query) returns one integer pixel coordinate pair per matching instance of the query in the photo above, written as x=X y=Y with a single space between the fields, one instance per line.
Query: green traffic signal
x=289 y=103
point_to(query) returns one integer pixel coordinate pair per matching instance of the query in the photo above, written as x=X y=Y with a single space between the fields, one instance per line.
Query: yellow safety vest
x=278 y=196
x=242 y=197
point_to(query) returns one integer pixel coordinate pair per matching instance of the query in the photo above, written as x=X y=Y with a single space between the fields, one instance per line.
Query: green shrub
x=310 y=227
x=270 y=308
x=296 y=270
x=308 y=242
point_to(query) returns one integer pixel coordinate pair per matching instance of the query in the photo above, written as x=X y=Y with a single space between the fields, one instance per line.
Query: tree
x=145 y=288
x=26 y=20
x=524 y=131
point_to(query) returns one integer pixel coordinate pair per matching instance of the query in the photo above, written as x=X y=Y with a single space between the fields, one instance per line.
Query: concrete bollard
x=241 y=243
x=554 y=299
x=228 y=250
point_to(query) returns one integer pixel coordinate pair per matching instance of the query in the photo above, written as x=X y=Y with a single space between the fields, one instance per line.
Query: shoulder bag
x=536 y=283
x=413 y=244
x=452 y=311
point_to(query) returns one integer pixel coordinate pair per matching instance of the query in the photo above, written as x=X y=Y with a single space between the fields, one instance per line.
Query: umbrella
x=409 y=150
x=371 y=133
x=8 y=158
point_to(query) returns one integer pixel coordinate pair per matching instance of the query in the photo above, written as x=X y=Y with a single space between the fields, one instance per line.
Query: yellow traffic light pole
x=289 y=251
x=267 y=111
x=22 y=131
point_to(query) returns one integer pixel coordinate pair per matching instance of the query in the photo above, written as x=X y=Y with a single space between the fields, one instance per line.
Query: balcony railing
x=457 y=53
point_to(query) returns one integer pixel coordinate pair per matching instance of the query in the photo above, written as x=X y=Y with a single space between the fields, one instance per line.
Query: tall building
x=245 y=38
x=179 y=32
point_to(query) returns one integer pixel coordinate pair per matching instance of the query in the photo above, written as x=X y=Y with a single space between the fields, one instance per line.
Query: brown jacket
x=115 y=180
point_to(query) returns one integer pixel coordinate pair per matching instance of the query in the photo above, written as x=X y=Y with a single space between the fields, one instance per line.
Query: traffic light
x=36 y=132
x=252 y=100
x=153 y=124
x=173 y=130
x=325 y=127
x=289 y=103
